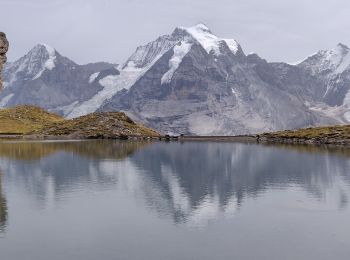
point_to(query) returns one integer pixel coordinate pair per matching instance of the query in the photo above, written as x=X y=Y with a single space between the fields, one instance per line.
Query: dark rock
x=4 y=45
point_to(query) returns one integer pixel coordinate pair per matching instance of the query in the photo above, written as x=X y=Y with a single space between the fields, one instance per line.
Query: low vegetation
x=316 y=135
x=34 y=121
x=99 y=125
x=25 y=119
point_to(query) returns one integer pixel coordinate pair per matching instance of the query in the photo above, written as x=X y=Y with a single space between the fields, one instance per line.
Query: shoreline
x=259 y=139
x=265 y=139
x=306 y=141
x=160 y=138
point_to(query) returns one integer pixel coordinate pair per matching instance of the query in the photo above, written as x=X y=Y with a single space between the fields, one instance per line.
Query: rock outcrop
x=4 y=45
x=35 y=122
x=98 y=125
x=329 y=135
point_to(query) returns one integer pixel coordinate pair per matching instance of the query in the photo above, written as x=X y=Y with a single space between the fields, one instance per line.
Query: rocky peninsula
x=32 y=122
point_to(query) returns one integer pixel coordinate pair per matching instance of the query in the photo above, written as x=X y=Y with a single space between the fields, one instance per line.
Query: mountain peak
x=333 y=61
x=43 y=48
x=48 y=48
x=46 y=53
x=343 y=46
x=200 y=27
x=32 y=65
x=209 y=41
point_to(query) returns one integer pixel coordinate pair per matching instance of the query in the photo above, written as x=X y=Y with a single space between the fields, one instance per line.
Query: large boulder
x=4 y=45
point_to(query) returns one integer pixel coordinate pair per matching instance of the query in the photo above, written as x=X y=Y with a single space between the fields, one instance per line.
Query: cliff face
x=4 y=45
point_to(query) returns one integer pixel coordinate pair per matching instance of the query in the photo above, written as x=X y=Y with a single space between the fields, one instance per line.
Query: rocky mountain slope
x=332 y=67
x=192 y=82
x=45 y=78
x=4 y=45
x=202 y=84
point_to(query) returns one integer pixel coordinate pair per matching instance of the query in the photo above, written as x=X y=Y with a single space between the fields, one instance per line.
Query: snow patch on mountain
x=232 y=44
x=32 y=65
x=114 y=83
x=347 y=105
x=135 y=67
x=210 y=42
x=334 y=59
x=111 y=84
x=5 y=100
x=344 y=65
x=332 y=62
x=233 y=92
x=332 y=68
x=147 y=54
x=50 y=62
x=93 y=77
x=65 y=109
x=180 y=52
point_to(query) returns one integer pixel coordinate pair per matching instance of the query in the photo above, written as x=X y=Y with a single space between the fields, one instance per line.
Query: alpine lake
x=89 y=200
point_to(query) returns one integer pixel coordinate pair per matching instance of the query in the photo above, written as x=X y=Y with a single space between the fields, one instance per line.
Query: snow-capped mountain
x=333 y=67
x=45 y=78
x=146 y=56
x=206 y=85
x=190 y=81
x=31 y=66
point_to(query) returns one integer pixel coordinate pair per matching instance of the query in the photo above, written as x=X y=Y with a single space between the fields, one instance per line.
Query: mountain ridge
x=194 y=82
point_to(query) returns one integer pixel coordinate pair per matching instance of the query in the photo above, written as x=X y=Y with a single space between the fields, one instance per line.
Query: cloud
x=94 y=30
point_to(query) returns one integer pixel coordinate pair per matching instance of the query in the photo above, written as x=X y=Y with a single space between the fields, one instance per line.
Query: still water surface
x=196 y=200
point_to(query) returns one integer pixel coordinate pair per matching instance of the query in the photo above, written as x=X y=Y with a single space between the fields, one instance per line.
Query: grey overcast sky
x=110 y=30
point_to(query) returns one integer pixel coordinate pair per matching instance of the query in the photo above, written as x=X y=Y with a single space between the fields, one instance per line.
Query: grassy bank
x=38 y=123
x=337 y=135
x=26 y=119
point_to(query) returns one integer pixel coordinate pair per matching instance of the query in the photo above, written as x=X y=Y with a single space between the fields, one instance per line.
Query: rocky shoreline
x=311 y=141
x=251 y=139
x=39 y=137
x=330 y=135
x=259 y=139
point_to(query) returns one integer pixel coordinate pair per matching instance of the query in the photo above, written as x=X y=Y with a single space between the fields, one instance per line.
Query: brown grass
x=25 y=119
x=34 y=120
x=106 y=124
x=339 y=132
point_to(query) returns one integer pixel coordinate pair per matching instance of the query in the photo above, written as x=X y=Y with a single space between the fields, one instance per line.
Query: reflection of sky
x=192 y=183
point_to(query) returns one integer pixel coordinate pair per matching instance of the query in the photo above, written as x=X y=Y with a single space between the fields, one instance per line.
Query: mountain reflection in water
x=186 y=182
